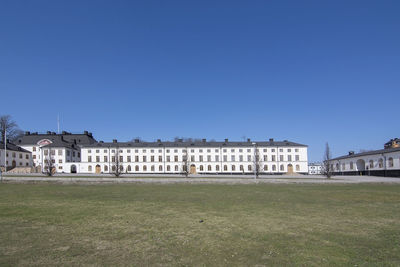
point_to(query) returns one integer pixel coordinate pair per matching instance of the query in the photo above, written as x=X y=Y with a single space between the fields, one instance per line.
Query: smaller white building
x=315 y=168
x=15 y=156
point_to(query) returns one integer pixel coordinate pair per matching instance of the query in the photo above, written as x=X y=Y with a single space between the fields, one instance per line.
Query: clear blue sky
x=307 y=71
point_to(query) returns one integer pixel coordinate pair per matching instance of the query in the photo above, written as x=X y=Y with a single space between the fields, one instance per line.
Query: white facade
x=165 y=158
x=315 y=168
x=15 y=157
x=380 y=162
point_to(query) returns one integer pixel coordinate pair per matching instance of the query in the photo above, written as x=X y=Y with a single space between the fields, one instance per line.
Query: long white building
x=81 y=153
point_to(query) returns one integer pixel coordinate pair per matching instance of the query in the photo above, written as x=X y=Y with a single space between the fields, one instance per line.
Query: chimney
x=271 y=140
x=101 y=142
x=48 y=132
x=351 y=153
x=53 y=133
x=63 y=132
x=136 y=140
x=85 y=132
x=114 y=140
x=203 y=140
x=248 y=140
x=226 y=140
x=90 y=135
x=159 y=140
x=27 y=133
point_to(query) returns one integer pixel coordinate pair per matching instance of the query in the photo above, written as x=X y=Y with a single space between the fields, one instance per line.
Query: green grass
x=244 y=225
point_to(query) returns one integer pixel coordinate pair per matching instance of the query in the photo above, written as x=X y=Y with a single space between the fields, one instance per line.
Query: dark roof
x=194 y=144
x=11 y=146
x=372 y=152
x=59 y=139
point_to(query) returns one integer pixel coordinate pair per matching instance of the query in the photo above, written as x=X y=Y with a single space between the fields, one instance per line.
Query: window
x=144 y=158
x=201 y=168
x=105 y=151
x=209 y=168
x=217 y=158
x=160 y=158
x=105 y=168
x=136 y=150
x=248 y=158
x=282 y=168
x=152 y=158
x=217 y=168
x=265 y=158
x=273 y=150
x=144 y=168
x=232 y=158
x=249 y=168
x=390 y=162
x=60 y=161
x=136 y=158
x=241 y=158
x=121 y=159
x=160 y=168
x=113 y=151
x=89 y=159
x=274 y=167
x=192 y=158
x=46 y=152
x=298 y=167
x=152 y=168
x=296 y=150
x=168 y=168
x=224 y=150
x=380 y=163
x=113 y=158
x=297 y=157
x=289 y=157
x=89 y=151
x=34 y=148
x=233 y=167
x=351 y=165
x=73 y=153
x=90 y=168
x=34 y=156
x=129 y=168
x=273 y=158
x=281 y=157
x=192 y=150
x=337 y=166
x=225 y=167
x=371 y=164
x=289 y=150
x=129 y=158
x=168 y=158
x=265 y=150
x=280 y=150
x=144 y=150
x=216 y=150
x=232 y=150
x=248 y=150
x=241 y=168
x=152 y=151
x=97 y=151
x=176 y=158
x=20 y=156
x=201 y=158
x=97 y=158
x=160 y=151
x=137 y=168
x=60 y=152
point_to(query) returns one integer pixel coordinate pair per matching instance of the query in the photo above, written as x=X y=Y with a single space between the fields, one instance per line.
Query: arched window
x=176 y=168
x=380 y=163
x=113 y=168
x=201 y=168
x=282 y=168
x=121 y=168
x=225 y=167
x=89 y=168
x=209 y=167
x=337 y=166
x=265 y=167
x=297 y=167
x=152 y=168
x=274 y=167
x=160 y=168
x=129 y=168
x=371 y=164
x=106 y=168
x=137 y=168
x=390 y=162
x=233 y=168
x=351 y=165
x=217 y=168
x=249 y=168
x=168 y=168
x=241 y=168
x=144 y=168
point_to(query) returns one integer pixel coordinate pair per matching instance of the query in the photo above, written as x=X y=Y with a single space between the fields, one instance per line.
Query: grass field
x=243 y=225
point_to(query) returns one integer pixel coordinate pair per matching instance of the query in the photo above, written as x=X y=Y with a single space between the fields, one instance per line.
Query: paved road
x=205 y=180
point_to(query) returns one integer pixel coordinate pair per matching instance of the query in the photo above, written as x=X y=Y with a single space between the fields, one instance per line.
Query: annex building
x=382 y=162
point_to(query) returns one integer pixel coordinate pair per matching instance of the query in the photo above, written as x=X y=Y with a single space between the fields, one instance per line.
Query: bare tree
x=258 y=163
x=116 y=163
x=9 y=125
x=185 y=163
x=49 y=166
x=327 y=163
